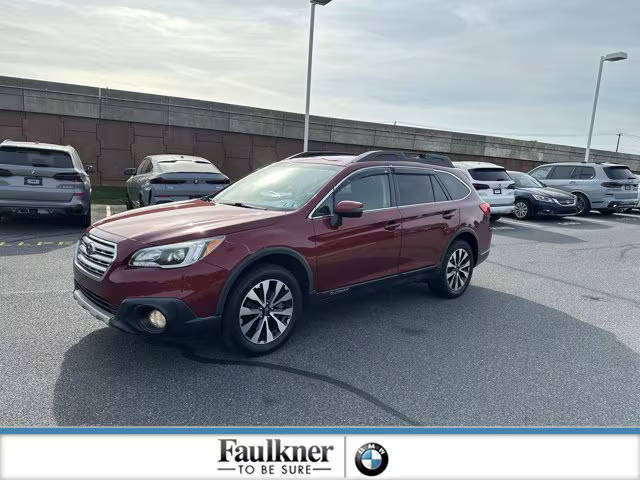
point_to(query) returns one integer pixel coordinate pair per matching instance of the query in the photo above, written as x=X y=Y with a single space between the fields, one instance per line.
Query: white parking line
x=108 y=208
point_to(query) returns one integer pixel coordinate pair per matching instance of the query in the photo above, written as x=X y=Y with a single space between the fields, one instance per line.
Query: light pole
x=309 y=62
x=612 y=57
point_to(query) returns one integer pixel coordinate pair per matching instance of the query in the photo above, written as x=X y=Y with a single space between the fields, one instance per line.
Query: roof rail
x=318 y=153
x=402 y=156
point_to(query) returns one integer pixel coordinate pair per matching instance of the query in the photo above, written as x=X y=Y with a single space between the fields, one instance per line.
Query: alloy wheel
x=521 y=210
x=458 y=269
x=266 y=311
x=581 y=204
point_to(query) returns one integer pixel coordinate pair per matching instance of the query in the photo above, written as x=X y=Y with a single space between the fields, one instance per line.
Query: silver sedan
x=169 y=178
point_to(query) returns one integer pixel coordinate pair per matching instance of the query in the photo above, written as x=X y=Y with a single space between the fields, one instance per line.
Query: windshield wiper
x=243 y=205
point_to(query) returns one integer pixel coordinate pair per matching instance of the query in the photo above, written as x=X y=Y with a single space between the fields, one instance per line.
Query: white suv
x=493 y=184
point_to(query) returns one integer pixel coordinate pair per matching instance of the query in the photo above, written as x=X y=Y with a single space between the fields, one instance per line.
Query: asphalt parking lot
x=547 y=334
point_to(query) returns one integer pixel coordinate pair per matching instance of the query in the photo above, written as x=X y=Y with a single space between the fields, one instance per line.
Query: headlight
x=542 y=198
x=175 y=255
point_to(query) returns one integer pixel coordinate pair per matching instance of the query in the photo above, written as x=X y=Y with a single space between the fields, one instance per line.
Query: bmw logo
x=371 y=459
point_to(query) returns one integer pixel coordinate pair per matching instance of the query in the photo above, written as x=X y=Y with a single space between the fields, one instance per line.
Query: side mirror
x=90 y=168
x=346 y=208
x=129 y=171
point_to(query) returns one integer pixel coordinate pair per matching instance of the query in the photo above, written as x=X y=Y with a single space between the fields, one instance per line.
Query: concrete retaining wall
x=115 y=129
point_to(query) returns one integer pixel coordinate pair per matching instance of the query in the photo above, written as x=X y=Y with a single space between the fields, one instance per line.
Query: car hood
x=182 y=221
x=548 y=192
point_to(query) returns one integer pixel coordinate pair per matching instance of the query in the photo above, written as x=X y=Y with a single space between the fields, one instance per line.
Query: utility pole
x=618 y=144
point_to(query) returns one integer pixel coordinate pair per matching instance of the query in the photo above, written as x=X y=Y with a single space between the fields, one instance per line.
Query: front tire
x=522 y=210
x=262 y=310
x=456 y=271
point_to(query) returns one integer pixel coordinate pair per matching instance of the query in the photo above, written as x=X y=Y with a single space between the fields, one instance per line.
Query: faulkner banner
x=199 y=456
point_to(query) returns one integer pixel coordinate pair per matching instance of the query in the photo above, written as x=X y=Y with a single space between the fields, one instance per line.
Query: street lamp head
x=320 y=2
x=615 y=57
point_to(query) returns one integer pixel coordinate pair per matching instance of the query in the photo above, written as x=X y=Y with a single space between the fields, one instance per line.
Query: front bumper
x=130 y=315
x=554 y=209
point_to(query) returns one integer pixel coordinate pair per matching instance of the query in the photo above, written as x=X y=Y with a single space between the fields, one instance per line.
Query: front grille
x=95 y=255
x=97 y=299
x=568 y=201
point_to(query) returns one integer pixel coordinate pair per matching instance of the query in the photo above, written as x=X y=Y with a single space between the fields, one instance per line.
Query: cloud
x=491 y=66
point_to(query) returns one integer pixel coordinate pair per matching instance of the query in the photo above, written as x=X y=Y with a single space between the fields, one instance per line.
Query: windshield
x=33 y=157
x=522 y=180
x=280 y=186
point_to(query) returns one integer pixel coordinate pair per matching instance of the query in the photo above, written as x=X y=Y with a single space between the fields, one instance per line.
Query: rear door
x=560 y=177
x=493 y=185
x=428 y=217
x=364 y=248
x=583 y=179
x=31 y=174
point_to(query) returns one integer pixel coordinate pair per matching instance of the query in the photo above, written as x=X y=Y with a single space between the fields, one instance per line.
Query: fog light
x=157 y=319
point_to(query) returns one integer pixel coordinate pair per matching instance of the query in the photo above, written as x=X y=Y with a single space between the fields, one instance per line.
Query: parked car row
x=557 y=189
x=46 y=178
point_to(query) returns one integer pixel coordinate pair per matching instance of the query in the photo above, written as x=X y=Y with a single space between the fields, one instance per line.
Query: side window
x=541 y=172
x=456 y=189
x=149 y=167
x=373 y=191
x=584 y=173
x=562 y=172
x=324 y=208
x=414 y=189
x=438 y=191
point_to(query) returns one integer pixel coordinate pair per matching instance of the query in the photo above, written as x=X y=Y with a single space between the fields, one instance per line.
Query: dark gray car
x=170 y=178
x=43 y=178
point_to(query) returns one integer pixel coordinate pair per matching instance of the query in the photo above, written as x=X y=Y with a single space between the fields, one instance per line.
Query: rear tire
x=262 y=309
x=456 y=271
x=582 y=204
x=522 y=210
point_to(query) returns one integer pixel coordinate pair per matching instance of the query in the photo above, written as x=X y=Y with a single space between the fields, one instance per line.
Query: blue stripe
x=319 y=430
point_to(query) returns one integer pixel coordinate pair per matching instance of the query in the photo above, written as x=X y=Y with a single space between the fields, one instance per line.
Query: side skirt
x=418 y=275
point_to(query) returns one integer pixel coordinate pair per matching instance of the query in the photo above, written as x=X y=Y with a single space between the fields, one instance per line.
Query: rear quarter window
x=619 y=173
x=489 y=174
x=33 y=157
x=456 y=189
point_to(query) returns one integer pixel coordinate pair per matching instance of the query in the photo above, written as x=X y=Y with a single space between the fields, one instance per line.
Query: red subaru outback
x=309 y=227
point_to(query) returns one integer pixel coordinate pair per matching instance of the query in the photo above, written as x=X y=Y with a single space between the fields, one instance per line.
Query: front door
x=363 y=248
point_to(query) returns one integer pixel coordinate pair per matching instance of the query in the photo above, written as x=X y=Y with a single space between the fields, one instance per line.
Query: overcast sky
x=519 y=68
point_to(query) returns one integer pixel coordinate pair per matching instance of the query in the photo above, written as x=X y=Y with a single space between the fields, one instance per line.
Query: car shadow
x=26 y=235
x=399 y=357
x=627 y=218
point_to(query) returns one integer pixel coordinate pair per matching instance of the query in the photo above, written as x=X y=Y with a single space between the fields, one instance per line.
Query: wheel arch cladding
x=471 y=239
x=284 y=257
